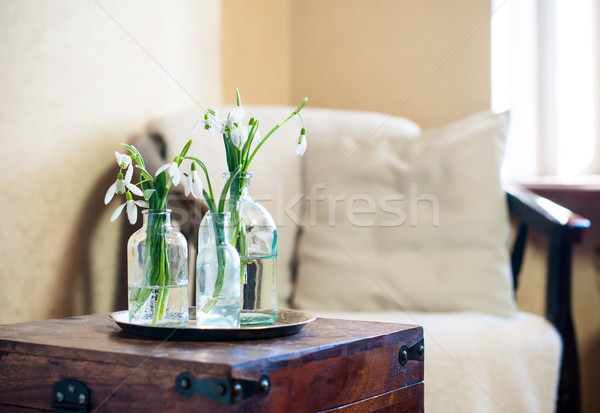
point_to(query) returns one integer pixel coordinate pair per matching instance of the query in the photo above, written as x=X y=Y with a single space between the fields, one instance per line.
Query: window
x=544 y=71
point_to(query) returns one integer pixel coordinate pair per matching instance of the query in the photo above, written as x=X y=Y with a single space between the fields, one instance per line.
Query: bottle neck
x=240 y=186
x=218 y=224
x=157 y=217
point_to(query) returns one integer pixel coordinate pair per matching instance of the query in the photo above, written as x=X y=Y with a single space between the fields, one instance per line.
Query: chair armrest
x=563 y=229
x=544 y=215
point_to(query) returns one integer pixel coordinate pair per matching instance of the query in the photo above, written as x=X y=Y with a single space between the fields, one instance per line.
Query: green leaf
x=226 y=188
x=145 y=174
x=186 y=148
x=137 y=156
x=160 y=186
x=148 y=193
x=209 y=202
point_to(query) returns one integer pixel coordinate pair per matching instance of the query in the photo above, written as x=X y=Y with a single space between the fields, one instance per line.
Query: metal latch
x=415 y=352
x=223 y=390
x=71 y=396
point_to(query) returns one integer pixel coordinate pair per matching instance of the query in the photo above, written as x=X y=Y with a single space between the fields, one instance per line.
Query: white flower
x=172 y=171
x=301 y=143
x=123 y=160
x=120 y=185
x=193 y=183
x=232 y=125
x=236 y=116
x=239 y=135
x=131 y=209
x=211 y=125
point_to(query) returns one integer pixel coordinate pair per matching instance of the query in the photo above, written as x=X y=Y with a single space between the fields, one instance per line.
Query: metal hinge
x=223 y=390
x=71 y=396
x=415 y=352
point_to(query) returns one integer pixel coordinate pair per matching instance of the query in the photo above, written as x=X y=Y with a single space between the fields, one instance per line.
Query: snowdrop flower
x=172 y=171
x=131 y=209
x=193 y=183
x=211 y=125
x=232 y=125
x=120 y=185
x=236 y=116
x=123 y=160
x=239 y=135
x=301 y=143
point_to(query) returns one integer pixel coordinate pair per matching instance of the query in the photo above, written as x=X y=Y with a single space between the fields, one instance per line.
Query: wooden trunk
x=331 y=365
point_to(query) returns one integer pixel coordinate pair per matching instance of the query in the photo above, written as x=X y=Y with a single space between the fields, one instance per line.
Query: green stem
x=294 y=113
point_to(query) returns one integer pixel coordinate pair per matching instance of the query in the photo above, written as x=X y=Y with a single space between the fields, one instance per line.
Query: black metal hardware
x=70 y=396
x=416 y=352
x=223 y=390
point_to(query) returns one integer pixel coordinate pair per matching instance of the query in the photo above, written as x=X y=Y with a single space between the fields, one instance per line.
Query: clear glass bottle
x=157 y=272
x=217 y=274
x=256 y=242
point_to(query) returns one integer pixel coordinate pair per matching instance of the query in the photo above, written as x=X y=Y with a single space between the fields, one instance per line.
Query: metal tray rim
x=288 y=322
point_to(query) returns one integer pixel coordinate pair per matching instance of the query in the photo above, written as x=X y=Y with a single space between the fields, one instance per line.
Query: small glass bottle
x=157 y=272
x=217 y=274
x=256 y=242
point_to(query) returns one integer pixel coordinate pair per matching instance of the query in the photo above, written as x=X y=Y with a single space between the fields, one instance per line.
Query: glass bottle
x=157 y=272
x=256 y=241
x=217 y=274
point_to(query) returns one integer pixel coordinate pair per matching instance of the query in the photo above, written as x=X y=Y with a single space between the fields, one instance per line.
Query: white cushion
x=398 y=222
x=467 y=369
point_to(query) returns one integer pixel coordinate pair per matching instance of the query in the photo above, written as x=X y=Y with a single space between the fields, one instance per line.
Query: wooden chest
x=89 y=363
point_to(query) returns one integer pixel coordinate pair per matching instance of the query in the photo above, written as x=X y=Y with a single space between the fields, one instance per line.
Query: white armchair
x=384 y=222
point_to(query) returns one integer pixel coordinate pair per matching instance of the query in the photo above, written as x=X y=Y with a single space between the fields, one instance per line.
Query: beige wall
x=427 y=60
x=255 y=46
x=74 y=85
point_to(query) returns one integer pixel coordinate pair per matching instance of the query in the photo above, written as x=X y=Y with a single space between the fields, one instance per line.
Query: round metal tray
x=288 y=322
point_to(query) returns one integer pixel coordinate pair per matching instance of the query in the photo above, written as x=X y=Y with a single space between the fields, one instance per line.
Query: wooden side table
x=89 y=363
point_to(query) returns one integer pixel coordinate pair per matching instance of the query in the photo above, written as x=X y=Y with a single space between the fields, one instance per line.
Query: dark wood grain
x=563 y=229
x=330 y=363
x=406 y=400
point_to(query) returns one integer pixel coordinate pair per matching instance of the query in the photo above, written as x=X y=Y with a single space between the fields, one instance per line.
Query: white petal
x=134 y=189
x=197 y=126
x=129 y=174
x=117 y=212
x=142 y=204
x=110 y=193
x=175 y=174
x=131 y=212
x=162 y=169
x=235 y=137
x=188 y=185
x=301 y=145
x=123 y=159
x=120 y=186
x=237 y=114
x=196 y=186
x=243 y=130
